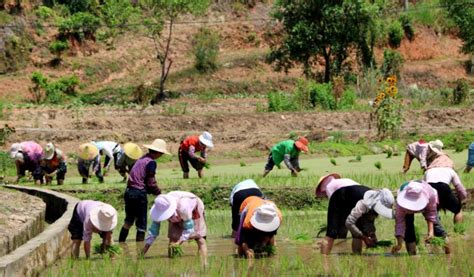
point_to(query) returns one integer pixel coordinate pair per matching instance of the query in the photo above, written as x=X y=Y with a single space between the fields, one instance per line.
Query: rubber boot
x=140 y=236
x=123 y=234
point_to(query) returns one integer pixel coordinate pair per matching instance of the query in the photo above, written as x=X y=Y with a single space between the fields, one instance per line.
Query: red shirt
x=192 y=141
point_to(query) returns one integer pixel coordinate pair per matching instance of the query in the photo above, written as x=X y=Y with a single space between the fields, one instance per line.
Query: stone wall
x=22 y=221
x=53 y=243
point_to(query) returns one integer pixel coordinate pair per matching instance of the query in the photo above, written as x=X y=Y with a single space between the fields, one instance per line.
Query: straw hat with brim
x=302 y=144
x=88 y=151
x=14 y=149
x=104 y=217
x=265 y=218
x=49 y=151
x=206 y=139
x=436 y=146
x=164 y=208
x=321 y=188
x=158 y=145
x=381 y=201
x=412 y=197
x=132 y=150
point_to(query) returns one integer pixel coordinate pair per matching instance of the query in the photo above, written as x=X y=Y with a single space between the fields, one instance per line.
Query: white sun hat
x=206 y=139
x=158 y=145
x=49 y=151
x=14 y=149
x=104 y=217
x=436 y=146
x=265 y=218
x=412 y=197
x=164 y=208
x=381 y=201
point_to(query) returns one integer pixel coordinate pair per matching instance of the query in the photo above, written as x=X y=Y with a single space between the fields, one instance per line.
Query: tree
x=57 y=47
x=116 y=15
x=321 y=28
x=462 y=12
x=159 y=14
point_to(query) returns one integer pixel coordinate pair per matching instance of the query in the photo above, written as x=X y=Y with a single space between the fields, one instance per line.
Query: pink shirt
x=32 y=149
x=187 y=203
x=429 y=212
x=448 y=176
x=336 y=184
x=419 y=151
x=84 y=209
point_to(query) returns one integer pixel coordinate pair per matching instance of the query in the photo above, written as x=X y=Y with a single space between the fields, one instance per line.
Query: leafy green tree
x=159 y=14
x=57 y=47
x=116 y=14
x=462 y=12
x=321 y=28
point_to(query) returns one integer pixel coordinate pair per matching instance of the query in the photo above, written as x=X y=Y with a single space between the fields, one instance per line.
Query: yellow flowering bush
x=387 y=108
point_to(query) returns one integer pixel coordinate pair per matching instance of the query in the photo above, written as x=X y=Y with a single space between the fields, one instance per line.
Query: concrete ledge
x=50 y=245
x=34 y=224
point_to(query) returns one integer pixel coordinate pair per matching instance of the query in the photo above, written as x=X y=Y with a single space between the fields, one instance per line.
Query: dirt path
x=239 y=128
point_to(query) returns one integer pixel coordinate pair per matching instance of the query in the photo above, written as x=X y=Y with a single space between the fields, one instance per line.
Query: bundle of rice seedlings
x=110 y=249
x=175 y=250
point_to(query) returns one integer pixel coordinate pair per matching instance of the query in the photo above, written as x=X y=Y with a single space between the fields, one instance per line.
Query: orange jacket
x=252 y=203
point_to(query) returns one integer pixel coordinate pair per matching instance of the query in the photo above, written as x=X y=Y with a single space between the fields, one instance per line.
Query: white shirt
x=109 y=148
x=336 y=184
x=447 y=176
x=247 y=184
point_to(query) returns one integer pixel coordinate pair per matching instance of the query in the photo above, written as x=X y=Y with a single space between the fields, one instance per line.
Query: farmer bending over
x=53 y=163
x=426 y=154
x=91 y=217
x=127 y=158
x=185 y=214
x=239 y=193
x=27 y=156
x=187 y=153
x=439 y=178
x=140 y=182
x=415 y=197
x=259 y=222
x=287 y=151
x=88 y=155
x=110 y=150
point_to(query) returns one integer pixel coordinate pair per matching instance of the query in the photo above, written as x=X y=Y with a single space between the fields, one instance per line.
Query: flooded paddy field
x=297 y=253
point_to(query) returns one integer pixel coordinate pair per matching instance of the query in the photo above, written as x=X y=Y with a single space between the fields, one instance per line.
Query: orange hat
x=302 y=144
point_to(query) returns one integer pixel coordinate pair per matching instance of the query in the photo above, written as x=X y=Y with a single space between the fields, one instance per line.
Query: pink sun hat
x=413 y=197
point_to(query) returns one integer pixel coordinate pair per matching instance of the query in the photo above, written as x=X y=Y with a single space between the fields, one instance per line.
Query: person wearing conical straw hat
x=109 y=149
x=27 y=156
x=187 y=153
x=126 y=158
x=88 y=156
x=416 y=197
x=140 y=183
x=287 y=151
x=352 y=207
x=259 y=223
x=184 y=212
x=53 y=163
x=429 y=154
x=91 y=217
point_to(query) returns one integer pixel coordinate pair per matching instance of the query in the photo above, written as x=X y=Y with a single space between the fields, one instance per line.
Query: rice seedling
x=460 y=228
x=333 y=161
x=242 y=164
x=378 y=165
x=110 y=249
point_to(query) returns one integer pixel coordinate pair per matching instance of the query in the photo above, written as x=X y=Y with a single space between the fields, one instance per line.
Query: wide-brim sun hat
x=265 y=218
x=104 y=217
x=302 y=144
x=163 y=208
x=14 y=149
x=436 y=146
x=88 y=151
x=412 y=197
x=321 y=187
x=132 y=150
x=381 y=201
x=206 y=139
x=49 y=151
x=158 y=145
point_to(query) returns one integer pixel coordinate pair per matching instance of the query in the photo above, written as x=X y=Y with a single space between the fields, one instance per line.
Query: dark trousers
x=136 y=208
x=239 y=197
x=184 y=159
x=410 y=234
